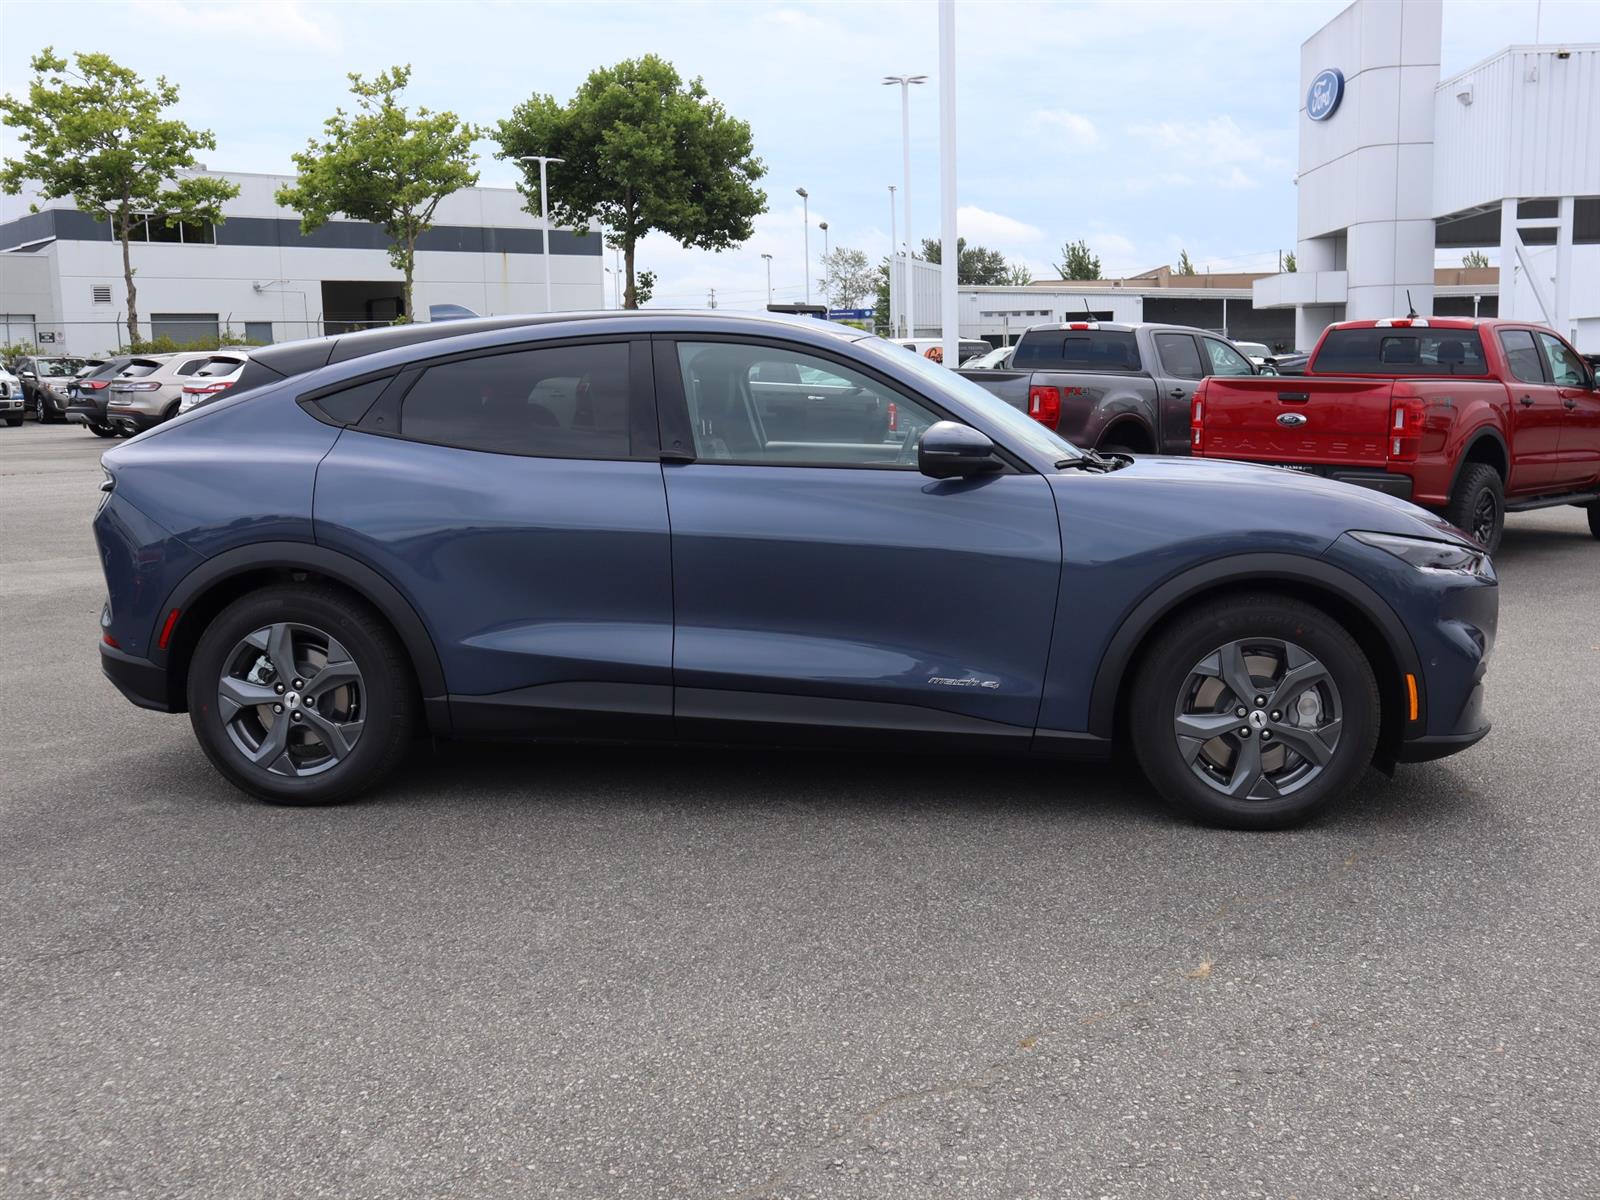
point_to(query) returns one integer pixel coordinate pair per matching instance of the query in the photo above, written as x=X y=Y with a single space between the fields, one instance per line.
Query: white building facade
x=255 y=276
x=1397 y=164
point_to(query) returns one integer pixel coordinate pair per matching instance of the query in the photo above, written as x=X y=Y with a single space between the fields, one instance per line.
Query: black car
x=87 y=395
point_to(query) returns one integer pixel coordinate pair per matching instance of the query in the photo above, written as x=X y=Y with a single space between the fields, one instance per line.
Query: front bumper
x=142 y=682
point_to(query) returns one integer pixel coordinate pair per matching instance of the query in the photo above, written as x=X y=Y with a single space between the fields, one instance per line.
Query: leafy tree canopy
x=1078 y=262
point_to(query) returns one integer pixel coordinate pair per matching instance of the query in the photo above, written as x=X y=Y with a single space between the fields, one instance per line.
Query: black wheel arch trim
x=341 y=568
x=1246 y=568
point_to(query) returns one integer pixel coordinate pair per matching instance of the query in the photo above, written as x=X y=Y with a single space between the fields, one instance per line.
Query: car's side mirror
x=950 y=450
x=26 y=375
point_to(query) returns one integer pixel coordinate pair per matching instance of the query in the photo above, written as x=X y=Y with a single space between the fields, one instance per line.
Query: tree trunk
x=411 y=266
x=630 y=296
x=127 y=277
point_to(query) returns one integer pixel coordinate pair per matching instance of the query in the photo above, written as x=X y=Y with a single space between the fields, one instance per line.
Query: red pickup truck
x=1472 y=418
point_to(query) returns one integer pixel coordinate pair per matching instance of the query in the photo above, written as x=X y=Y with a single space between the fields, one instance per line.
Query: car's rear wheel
x=300 y=694
x=1255 y=712
x=100 y=429
x=1478 y=504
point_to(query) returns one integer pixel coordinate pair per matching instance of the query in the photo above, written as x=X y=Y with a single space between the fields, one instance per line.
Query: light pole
x=805 y=203
x=618 y=274
x=905 y=82
x=544 y=160
x=894 y=254
x=949 y=293
x=768 y=257
x=823 y=225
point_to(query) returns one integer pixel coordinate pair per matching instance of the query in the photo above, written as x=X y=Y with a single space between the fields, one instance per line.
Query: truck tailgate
x=1329 y=420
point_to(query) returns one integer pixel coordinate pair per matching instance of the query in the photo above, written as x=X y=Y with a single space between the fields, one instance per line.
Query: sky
x=1144 y=127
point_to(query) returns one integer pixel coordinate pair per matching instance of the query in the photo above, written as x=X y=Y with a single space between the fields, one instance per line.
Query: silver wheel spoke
x=277 y=642
x=234 y=693
x=1246 y=770
x=1196 y=729
x=268 y=739
x=273 y=751
x=1297 y=680
x=1317 y=745
x=1228 y=665
x=339 y=670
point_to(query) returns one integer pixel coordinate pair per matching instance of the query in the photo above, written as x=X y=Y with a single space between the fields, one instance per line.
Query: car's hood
x=1234 y=496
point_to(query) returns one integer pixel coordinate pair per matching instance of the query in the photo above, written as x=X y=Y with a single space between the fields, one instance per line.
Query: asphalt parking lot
x=617 y=973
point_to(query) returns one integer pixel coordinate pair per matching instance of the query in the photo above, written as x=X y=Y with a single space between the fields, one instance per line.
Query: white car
x=214 y=379
x=998 y=359
x=932 y=347
x=11 y=407
x=1258 y=353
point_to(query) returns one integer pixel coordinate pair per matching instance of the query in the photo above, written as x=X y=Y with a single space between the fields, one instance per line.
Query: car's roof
x=297 y=358
x=1088 y=322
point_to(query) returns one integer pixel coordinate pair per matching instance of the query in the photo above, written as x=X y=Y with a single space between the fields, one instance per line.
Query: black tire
x=388 y=691
x=1478 y=505
x=1168 y=666
x=13 y=422
x=1594 y=518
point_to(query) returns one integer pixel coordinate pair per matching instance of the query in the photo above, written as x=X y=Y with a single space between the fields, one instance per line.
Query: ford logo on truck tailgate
x=1291 y=419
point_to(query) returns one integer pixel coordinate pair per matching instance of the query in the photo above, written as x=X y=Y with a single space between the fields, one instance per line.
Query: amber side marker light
x=1411 y=687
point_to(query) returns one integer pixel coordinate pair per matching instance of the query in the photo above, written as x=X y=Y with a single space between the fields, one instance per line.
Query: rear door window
x=1179 y=358
x=1522 y=356
x=557 y=402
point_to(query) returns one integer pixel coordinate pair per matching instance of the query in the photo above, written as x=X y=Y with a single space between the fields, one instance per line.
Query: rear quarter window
x=1104 y=350
x=1402 y=351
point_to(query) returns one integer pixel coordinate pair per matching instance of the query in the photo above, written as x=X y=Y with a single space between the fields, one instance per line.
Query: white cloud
x=1079 y=128
x=980 y=225
x=285 y=20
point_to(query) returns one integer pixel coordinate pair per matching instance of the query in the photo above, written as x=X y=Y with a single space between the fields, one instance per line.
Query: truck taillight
x=1405 y=426
x=1044 y=405
x=1197 y=419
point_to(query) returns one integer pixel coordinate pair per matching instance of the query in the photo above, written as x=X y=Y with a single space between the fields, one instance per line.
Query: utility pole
x=805 y=203
x=905 y=82
x=894 y=258
x=711 y=299
x=768 y=257
x=949 y=297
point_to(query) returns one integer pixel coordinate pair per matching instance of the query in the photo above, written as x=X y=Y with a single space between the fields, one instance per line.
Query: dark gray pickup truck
x=1113 y=387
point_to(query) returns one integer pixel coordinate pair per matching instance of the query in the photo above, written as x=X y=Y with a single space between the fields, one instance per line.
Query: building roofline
x=1520 y=48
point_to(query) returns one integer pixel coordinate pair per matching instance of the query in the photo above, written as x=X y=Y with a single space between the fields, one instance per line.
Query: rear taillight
x=136 y=387
x=94 y=385
x=1406 y=413
x=1044 y=405
x=1197 y=419
x=205 y=389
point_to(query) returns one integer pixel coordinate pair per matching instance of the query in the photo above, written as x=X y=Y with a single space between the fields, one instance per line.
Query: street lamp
x=544 y=160
x=905 y=82
x=768 y=257
x=805 y=203
x=893 y=254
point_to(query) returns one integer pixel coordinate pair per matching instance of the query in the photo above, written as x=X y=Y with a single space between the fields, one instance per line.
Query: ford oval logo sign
x=1291 y=419
x=1327 y=89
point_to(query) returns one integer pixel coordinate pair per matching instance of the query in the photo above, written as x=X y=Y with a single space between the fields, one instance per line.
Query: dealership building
x=1397 y=164
x=257 y=277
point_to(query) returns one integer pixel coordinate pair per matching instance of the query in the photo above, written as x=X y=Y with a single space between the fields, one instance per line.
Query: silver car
x=149 y=389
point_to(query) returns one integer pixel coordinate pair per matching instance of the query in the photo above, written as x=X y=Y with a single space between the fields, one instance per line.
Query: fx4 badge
x=944 y=681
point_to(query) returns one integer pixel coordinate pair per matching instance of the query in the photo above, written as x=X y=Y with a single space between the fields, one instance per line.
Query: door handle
x=1569 y=404
x=1177 y=393
x=1527 y=399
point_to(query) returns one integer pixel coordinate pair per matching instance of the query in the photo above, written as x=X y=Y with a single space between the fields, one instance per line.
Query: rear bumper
x=142 y=682
x=1375 y=478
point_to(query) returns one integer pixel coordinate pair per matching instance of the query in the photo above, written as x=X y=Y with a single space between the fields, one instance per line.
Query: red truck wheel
x=1478 y=505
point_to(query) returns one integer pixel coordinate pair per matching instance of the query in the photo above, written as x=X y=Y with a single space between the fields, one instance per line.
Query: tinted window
x=1178 y=355
x=773 y=404
x=1225 y=360
x=562 y=402
x=190 y=367
x=1522 y=357
x=1077 y=350
x=1401 y=351
x=348 y=406
x=1565 y=368
x=139 y=368
x=213 y=367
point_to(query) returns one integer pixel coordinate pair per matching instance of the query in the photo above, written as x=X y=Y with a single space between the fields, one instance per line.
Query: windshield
x=941 y=381
x=55 y=367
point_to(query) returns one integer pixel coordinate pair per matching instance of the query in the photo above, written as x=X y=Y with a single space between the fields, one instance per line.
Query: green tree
x=1078 y=262
x=1289 y=263
x=644 y=287
x=384 y=164
x=1185 y=264
x=1474 y=258
x=642 y=151
x=976 y=266
x=847 y=278
x=880 y=288
x=99 y=135
x=1019 y=274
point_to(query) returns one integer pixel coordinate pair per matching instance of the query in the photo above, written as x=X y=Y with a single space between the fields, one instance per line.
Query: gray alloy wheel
x=291 y=699
x=1258 y=719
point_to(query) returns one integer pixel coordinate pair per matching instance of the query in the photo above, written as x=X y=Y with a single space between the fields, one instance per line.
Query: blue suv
x=692 y=526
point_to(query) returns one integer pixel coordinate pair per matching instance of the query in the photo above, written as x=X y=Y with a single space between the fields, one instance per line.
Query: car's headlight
x=1428 y=555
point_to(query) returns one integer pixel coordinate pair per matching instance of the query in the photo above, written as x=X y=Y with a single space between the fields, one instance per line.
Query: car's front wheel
x=1254 y=712
x=300 y=694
